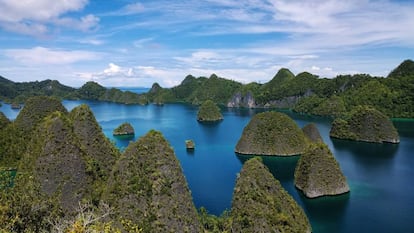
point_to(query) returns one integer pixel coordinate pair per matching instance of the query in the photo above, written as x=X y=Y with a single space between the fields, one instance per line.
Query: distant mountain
x=305 y=92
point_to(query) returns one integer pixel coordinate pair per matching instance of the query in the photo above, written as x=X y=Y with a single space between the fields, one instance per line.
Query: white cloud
x=41 y=55
x=35 y=17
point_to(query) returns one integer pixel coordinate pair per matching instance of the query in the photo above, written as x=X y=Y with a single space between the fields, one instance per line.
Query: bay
x=379 y=175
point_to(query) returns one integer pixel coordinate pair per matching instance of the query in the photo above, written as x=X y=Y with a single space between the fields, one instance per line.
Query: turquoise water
x=380 y=176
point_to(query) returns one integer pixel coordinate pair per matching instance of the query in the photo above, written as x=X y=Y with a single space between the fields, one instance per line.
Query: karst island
x=209 y=112
x=271 y=133
x=365 y=123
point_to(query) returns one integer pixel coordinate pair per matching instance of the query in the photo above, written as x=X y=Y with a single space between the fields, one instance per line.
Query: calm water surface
x=380 y=176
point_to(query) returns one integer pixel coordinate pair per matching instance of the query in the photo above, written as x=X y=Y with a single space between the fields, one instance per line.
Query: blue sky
x=137 y=43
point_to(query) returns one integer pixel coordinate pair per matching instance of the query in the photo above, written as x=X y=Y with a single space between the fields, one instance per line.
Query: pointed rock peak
x=318 y=173
x=35 y=109
x=82 y=112
x=155 y=88
x=283 y=74
x=306 y=75
x=404 y=69
x=261 y=204
x=213 y=76
x=189 y=78
x=148 y=181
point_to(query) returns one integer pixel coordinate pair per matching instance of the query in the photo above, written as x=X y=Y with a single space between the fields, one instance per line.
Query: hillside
x=148 y=189
x=365 y=123
x=260 y=203
x=271 y=133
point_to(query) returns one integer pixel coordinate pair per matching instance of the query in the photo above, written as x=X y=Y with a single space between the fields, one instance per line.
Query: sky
x=128 y=43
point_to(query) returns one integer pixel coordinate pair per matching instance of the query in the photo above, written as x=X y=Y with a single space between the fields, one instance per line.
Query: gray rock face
x=318 y=173
x=239 y=100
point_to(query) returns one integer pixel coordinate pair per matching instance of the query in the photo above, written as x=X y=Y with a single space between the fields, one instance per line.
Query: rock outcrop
x=271 y=133
x=318 y=173
x=260 y=204
x=125 y=129
x=148 y=188
x=365 y=124
x=242 y=101
x=58 y=163
x=312 y=133
x=209 y=112
x=189 y=144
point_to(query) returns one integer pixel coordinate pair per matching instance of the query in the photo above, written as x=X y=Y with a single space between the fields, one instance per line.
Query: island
x=209 y=112
x=365 y=123
x=124 y=130
x=271 y=133
x=318 y=173
x=261 y=204
x=189 y=144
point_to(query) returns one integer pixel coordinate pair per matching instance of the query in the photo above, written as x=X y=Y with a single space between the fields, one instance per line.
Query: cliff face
x=209 y=111
x=271 y=133
x=245 y=101
x=101 y=153
x=365 y=124
x=57 y=162
x=260 y=204
x=147 y=188
x=318 y=173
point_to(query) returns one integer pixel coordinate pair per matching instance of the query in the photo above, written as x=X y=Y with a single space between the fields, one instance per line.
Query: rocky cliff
x=260 y=204
x=271 y=133
x=239 y=100
x=366 y=124
x=318 y=173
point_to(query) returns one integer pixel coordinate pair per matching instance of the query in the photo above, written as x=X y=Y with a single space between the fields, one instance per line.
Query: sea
x=381 y=176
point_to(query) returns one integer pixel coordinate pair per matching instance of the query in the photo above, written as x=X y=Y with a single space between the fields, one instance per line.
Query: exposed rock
x=101 y=151
x=312 y=133
x=260 y=204
x=245 y=101
x=58 y=163
x=148 y=188
x=16 y=106
x=189 y=144
x=124 y=129
x=209 y=111
x=35 y=109
x=271 y=133
x=318 y=173
x=366 y=124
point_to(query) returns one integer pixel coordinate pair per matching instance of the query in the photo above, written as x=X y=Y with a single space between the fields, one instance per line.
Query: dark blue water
x=381 y=176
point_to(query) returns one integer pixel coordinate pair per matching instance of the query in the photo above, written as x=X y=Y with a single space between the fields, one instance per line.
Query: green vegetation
x=148 y=188
x=260 y=204
x=318 y=173
x=4 y=121
x=365 y=123
x=304 y=93
x=124 y=129
x=209 y=111
x=189 y=144
x=271 y=133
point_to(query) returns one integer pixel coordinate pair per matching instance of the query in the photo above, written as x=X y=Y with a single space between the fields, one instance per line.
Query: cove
x=379 y=175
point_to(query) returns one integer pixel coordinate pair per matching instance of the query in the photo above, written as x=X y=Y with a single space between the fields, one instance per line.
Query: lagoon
x=379 y=175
